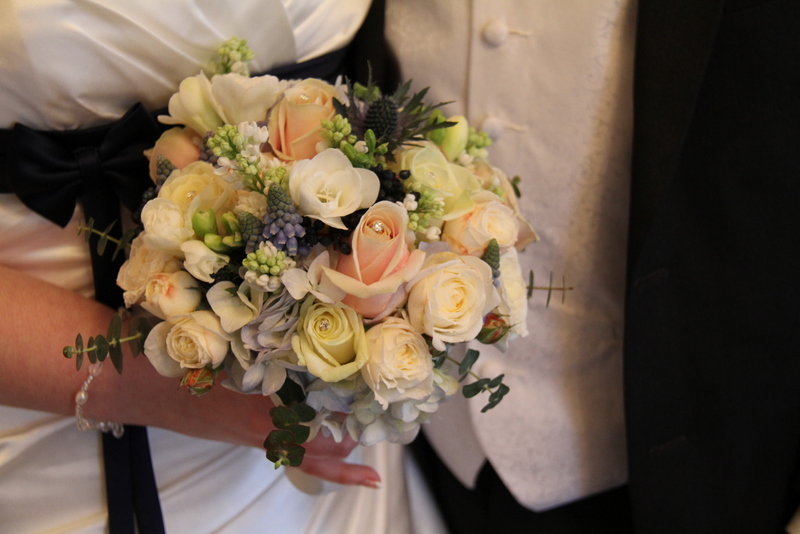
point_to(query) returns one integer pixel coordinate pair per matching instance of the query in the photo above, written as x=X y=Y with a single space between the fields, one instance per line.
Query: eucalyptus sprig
x=121 y=243
x=98 y=348
x=494 y=386
x=284 y=444
x=549 y=287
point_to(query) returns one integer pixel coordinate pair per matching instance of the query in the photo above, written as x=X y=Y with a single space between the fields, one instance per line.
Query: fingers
x=324 y=458
x=340 y=472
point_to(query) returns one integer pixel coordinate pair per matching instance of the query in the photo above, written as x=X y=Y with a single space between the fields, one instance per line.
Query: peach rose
x=488 y=219
x=178 y=145
x=382 y=260
x=295 y=122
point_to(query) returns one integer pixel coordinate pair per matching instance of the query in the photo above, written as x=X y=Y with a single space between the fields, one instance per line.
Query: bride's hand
x=324 y=458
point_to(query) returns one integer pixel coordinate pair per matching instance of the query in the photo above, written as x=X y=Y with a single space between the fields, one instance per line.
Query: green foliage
x=99 y=347
x=104 y=237
x=283 y=445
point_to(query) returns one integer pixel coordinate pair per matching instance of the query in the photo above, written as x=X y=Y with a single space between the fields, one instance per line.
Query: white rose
x=429 y=167
x=143 y=263
x=201 y=261
x=168 y=294
x=190 y=341
x=489 y=218
x=330 y=340
x=450 y=297
x=165 y=226
x=400 y=365
x=328 y=187
x=244 y=99
x=193 y=105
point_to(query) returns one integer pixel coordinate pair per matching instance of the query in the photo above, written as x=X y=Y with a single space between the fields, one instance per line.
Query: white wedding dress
x=75 y=63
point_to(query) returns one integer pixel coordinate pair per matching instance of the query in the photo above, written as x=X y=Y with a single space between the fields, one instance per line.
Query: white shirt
x=552 y=81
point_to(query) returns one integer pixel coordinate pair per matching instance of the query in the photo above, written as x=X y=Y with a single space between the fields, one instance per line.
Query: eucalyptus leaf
x=469 y=360
x=115 y=353
x=101 y=344
x=496 y=381
x=78 y=360
x=277 y=437
x=304 y=412
x=283 y=417
x=103 y=241
x=90 y=353
x=300 y=433
x=114 y=328
x=470 y=390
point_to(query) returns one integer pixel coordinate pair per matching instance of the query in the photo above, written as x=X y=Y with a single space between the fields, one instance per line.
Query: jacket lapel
x=674 y=40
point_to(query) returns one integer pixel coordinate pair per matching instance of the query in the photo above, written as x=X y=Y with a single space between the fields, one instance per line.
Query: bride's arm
x=39 y=319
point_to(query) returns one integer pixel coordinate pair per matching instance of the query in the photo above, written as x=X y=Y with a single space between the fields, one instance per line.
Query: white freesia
x=166 y=226
x=243 y=99
x=194 y=106
x=450 y=297
x=233 y=306
x=168 y=294
x=183 y=342
x=328 y=187
x=143 y=263
x=300 y=282
x=201 y=261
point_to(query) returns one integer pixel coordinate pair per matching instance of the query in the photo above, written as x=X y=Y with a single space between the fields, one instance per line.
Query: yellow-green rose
x=430 y=168
x=330 y=340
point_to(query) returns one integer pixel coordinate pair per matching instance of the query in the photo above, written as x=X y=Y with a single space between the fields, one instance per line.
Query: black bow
x=50 y=171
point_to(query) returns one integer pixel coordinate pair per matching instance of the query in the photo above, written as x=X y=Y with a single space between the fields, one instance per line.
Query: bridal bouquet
x=326 y=245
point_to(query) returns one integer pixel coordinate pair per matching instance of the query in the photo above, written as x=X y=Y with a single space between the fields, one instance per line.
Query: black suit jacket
x=712 y=343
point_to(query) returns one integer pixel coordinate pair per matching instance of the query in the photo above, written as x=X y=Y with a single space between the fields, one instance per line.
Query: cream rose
x=194 y=106
x=179 y=145
x=400 y=365
x=381 y=261
x=201 y=261
x=296 y=121
x=449 y=298
x=488 y=219
x=330 y=340
x=196 y=187
x=328 y=187
x=143 y=263
x=166 y=226
x=190 y=341
x=429 y=167
x=169 y=294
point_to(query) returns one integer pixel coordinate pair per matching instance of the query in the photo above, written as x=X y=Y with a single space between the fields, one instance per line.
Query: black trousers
x=491 y=508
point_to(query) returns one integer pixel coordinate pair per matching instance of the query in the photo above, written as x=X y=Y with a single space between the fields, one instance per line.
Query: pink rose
x=295 y=122
x=382 y=260
x=178 y=145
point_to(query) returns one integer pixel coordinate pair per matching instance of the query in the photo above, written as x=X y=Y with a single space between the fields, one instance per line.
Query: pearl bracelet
x=82 y=397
